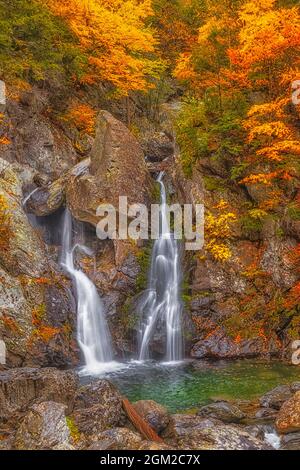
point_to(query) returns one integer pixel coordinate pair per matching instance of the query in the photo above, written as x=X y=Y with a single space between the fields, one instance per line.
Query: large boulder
x=117 y=439
x=290 y=441
x=44 y=427
x=158 y=147
x=197 y=433
x=16 y=326
x=20 y=388
x=222 y=410
x=288 y=419
x=116 y=157
x=278 y=395
x=218 y=345
x=98 y=406
x=25 y=254
x=156 y=415
x=35 y=140
x=47 y=198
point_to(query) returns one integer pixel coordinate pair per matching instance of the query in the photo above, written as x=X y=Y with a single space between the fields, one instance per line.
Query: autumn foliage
x=113 y=35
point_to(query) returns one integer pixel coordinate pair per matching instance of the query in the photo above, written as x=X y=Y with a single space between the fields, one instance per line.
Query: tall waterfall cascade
x=92 y=331
x=160 y=304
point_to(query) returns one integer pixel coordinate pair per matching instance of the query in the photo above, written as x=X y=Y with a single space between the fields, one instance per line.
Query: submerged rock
x=44 y=427
x=224 y=411
x=156 y=415
x=194 y=432
x=288 y=419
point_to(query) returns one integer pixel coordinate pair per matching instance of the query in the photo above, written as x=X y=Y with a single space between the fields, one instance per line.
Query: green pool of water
x=190 y=384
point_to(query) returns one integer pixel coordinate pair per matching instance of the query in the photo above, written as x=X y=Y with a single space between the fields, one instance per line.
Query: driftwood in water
x=139 y=423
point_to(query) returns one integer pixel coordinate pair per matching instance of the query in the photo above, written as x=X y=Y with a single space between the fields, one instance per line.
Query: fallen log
x=139 y=423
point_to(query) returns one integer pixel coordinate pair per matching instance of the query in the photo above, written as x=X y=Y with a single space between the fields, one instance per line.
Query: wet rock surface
x=224 y=411
x=195 y=432
x=277 y=396
x=156 y=415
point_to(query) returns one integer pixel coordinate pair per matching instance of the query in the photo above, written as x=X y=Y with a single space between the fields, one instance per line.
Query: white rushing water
x=92 y=331
x=160 y=306
x=273 y=439
x=26 y=199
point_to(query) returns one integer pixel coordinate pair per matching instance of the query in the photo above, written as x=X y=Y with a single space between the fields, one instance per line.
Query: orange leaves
x=4 y=140
x=268 y=37
x=114 y=36
x=45 y=333
x=82 y=116
x=5 y=224
x=266 y=178
x=268 y=129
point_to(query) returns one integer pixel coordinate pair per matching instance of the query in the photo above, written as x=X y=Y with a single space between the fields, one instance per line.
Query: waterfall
x=160 y=303
x=92 y=330
x=26 y=199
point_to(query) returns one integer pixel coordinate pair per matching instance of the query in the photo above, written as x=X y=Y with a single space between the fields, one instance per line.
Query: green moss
x=144 y=260
x=294 y=212
x=186 y=292
x=250 y=224
x=156 y=193
x=128 y=318
x=74 y=431
x=213 y=184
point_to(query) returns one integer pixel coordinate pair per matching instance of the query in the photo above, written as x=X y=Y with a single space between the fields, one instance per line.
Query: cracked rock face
x=288 y=419
x=44 y=427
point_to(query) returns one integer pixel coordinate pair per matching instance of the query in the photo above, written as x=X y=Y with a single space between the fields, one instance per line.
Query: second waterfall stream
x=92 y=331
x=160 y=306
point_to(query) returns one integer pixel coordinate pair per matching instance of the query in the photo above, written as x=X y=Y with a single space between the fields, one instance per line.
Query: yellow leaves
x=116 y=38
x=184 y=69
x=219 y=226
x=218 y=230
x=257 y=213
x=219 y=251
x=275 y=108
x=260 y=178
x=279 y=150
x=269 y=129
x=5 y=229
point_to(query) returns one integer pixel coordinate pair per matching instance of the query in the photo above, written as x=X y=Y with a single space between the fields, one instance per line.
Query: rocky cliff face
x=231 y=301
x=37 y=310
x=38 y=315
